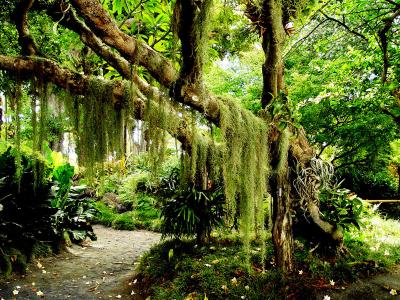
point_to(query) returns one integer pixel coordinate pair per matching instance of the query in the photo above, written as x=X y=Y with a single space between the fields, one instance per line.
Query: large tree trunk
x=273 y=35
x=282 y=234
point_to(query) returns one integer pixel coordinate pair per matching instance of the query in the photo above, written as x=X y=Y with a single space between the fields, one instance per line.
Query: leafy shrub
x=125 y=221
x=25 y=209
x=191 y=212
x=74 y=210
x=342 y=208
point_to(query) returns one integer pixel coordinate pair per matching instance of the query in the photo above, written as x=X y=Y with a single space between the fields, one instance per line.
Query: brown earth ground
x=99 y=270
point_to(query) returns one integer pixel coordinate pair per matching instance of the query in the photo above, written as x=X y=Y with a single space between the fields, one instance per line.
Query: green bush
x=74 y=210
x=371 y=185
x=26 y=215
x=191 y=212
x=342 y=208
x=125 y=221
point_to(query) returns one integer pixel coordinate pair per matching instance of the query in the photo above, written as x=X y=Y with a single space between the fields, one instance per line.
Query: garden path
x=100 y=270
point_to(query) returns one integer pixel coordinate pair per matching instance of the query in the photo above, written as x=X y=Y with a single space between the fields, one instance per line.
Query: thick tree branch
x=100 y=22
x=33 y=67
x=333 y=231
x=21 y=22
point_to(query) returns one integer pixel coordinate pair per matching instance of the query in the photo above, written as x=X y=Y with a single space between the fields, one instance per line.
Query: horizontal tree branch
x=28 y=68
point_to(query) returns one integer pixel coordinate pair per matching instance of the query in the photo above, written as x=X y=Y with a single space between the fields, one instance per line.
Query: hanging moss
x=241 y=156
x=155 y=134
x=18 y=110
x=99 y=125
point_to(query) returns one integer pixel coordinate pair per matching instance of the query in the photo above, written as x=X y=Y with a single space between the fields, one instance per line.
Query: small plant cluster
x=189 y=211
x=32 y=219
x=341 y=207
x=127 y=197
x=74 y=209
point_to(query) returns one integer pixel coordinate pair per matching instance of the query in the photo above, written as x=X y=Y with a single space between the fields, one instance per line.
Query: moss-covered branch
x=135 y=51
x=21 y=22
x=25 y=68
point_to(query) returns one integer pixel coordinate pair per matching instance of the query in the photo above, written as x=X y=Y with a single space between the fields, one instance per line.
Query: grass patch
x=182 y=270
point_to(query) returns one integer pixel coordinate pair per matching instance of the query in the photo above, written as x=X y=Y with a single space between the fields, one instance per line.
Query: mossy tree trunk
x=273 y=35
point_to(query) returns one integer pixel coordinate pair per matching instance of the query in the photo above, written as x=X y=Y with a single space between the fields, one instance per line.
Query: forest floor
x=103 y=269
x=100 y=269
x=376 y=287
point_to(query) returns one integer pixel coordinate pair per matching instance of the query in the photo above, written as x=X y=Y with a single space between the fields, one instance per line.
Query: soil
x=100 y=269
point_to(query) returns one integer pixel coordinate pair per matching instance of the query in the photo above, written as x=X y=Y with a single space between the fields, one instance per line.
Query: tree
x=135 y=47
x=347 y=86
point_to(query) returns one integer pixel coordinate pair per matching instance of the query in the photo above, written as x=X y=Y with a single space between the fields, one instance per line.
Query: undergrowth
x=183 y=270
x=145 y=217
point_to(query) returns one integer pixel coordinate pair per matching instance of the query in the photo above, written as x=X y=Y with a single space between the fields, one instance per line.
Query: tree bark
x=272 y=42
x=273 y=34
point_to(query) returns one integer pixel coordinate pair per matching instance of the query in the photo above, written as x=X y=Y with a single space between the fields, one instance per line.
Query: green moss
x=240 y=157
x=99 y=122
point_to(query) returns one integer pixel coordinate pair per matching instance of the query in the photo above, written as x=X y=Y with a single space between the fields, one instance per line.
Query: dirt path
x=101 y=270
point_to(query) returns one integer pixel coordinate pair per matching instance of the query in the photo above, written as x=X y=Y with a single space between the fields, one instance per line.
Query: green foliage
x=25 y=215
x=190 y=212
x=231 y=31
x=74 y=215
x=238 y=76
x=371 y=184
x=219 y=271
x=338 y=90
x=340 y=207
x=146 y=216
x=182 y=269
x=63 y=175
